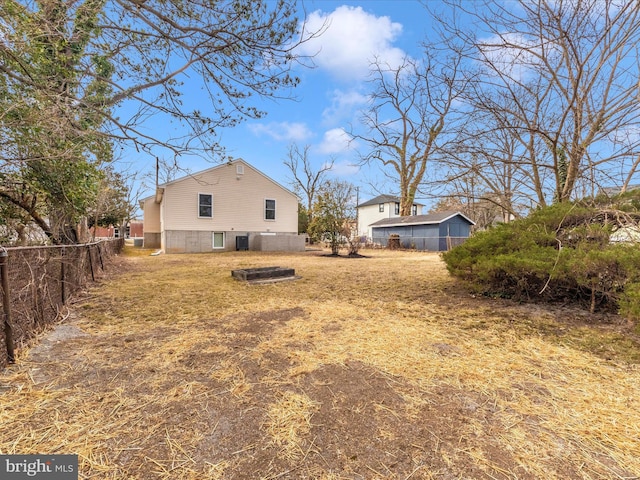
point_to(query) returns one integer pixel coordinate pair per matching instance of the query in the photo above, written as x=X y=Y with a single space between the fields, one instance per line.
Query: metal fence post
x=100 y=256
x=6 y=305
x=93 y=277
x=63 y=295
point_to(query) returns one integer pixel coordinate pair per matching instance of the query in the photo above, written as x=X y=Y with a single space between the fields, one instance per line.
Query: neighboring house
x=231 y=206
x=22 y=235
x=626 y=234
x=613 y=191
x=379 y=208
x=434 y=232
x=134 y=229
x=103 y=232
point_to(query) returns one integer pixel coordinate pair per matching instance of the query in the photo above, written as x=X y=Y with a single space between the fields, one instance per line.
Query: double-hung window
x=269 y=209
x=397 y=208
x=381 y=207
x=205 y=205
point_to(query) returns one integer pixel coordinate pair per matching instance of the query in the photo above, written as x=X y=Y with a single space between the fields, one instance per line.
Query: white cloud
x=510 y=54
x=283 y=131
x=626 y=135
x=344 y=169
x=351 y=40
x=343 y=104
x=335 y=141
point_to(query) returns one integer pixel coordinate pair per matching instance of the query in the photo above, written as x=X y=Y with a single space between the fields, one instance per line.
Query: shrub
x=630 y=301
x=560 y=253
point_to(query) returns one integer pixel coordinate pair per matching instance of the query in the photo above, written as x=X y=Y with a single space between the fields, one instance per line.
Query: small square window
x=205 y=205
x=269 y=209
x=381 y=207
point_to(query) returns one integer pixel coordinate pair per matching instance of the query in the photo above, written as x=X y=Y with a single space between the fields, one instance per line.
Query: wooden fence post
x=6 y=305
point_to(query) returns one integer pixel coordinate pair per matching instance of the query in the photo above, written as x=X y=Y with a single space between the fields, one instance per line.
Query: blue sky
x=329 y=96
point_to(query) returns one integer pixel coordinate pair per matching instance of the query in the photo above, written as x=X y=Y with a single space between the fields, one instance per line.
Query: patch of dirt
x=362 y=427
x=365 y=426
x=264 y=321
x=564 y=316
x=349 y=255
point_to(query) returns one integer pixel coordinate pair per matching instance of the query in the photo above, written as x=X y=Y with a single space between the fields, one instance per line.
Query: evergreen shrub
x=560 y=253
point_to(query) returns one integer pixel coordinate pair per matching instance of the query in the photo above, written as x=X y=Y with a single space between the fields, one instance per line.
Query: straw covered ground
x=369 y=368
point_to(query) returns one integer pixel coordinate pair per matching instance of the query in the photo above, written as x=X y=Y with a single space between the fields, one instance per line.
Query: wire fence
x=38 y=281
x=430 y=244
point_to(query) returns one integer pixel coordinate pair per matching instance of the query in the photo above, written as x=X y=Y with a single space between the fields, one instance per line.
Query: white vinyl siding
x=239 y=203
x=151 y=221
x=372 y=213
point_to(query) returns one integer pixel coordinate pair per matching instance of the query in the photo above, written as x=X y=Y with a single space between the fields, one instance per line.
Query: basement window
x=218 y=239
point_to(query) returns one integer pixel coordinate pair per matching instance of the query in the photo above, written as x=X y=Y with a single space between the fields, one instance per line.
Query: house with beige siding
x=380 y=208
x=232 y=206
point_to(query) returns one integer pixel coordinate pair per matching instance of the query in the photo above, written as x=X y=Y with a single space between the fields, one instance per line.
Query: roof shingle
x=431 y=218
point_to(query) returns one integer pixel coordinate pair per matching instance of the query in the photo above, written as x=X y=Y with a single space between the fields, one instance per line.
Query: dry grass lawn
x=372 y=368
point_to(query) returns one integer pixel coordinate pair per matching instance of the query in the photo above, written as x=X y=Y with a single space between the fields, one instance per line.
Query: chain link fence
x=38 y=281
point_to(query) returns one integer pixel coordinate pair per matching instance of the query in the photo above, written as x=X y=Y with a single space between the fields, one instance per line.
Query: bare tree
x=410 y=116
x=93 y=55
x=307 y=180
x=78 y=76
x=567 y=73
x=495 y=160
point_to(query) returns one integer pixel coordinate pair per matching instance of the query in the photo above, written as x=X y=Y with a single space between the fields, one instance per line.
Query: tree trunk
x=394 y=242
